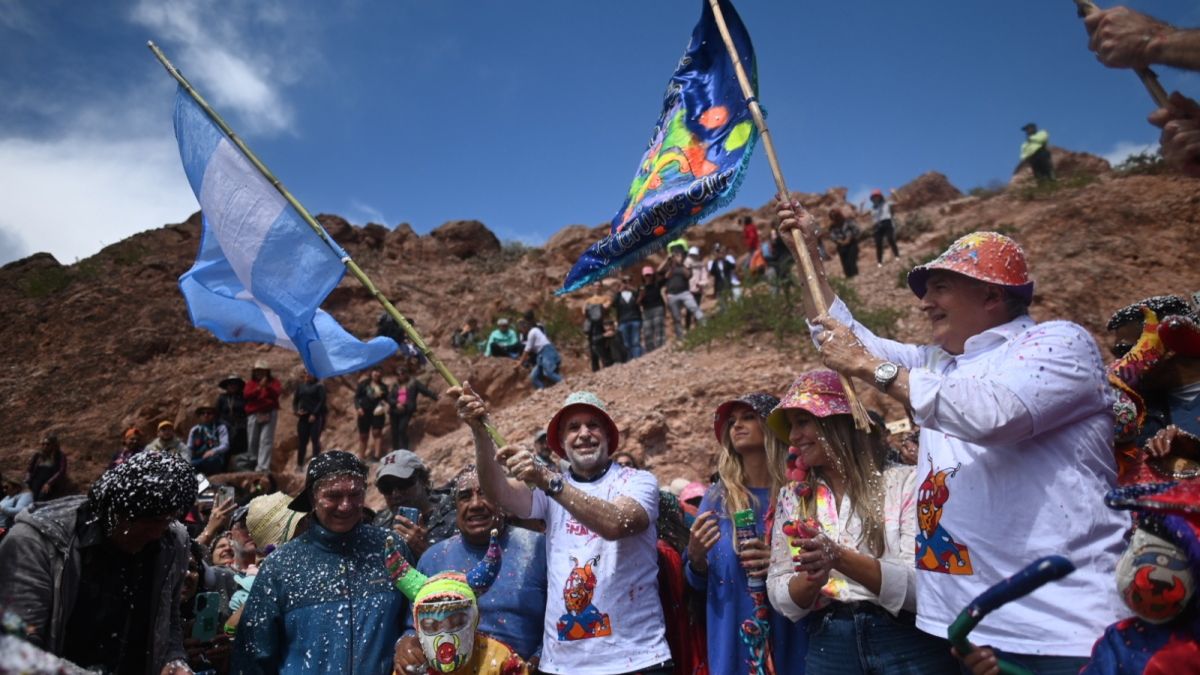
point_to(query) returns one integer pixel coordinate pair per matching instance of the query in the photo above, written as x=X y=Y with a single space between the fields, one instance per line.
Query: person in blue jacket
x=752 y=470
x=323 y=602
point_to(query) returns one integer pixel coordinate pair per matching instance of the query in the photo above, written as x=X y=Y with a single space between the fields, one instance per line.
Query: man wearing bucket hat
x=231 y=411
x=322 y=602
x=1010 y=410
x=262 y=412
x=603 y=614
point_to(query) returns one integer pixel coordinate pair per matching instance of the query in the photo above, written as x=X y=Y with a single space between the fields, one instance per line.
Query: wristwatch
x=885 y=375
x=555 y=486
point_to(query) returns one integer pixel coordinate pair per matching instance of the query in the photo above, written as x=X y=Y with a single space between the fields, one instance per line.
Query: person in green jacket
x=504 y=341
x=1036 y=151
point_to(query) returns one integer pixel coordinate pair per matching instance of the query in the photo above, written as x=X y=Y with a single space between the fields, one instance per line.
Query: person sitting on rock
x=466 y=334
x=446 y=616
x=131 y=444
x=167 y=441
x=208 y=442
x=504 y=341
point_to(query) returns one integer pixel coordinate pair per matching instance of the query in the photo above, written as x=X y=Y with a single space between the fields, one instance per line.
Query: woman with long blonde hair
x=842 y=547
x=731 y=570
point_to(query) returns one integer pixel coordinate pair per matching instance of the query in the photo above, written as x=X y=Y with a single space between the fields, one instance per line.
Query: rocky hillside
x=92 y=348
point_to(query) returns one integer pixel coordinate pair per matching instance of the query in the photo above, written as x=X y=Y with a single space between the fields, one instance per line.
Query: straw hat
x=270 y=521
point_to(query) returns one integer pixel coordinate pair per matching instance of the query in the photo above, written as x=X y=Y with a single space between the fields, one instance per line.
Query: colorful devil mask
x=445 y=608
x=1154 y=577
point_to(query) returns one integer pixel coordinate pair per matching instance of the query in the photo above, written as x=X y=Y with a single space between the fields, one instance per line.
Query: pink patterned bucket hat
x=818 y=392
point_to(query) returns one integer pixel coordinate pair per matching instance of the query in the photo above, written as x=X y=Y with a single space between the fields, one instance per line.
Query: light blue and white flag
x=261 y=272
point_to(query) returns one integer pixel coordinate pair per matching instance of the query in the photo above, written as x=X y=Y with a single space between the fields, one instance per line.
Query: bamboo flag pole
x=806 y=262
x=1149 y=79
x=352 y=266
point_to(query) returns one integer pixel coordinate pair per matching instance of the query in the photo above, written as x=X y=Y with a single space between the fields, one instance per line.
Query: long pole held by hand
x=1147 y=76
x=806 y=262
x=351 y=266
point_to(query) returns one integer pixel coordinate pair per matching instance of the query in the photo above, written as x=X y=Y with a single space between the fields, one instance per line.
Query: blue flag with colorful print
x=261 y=272
x=697 y=154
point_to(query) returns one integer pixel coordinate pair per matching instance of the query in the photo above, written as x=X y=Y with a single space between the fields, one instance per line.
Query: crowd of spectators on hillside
x=817 y=544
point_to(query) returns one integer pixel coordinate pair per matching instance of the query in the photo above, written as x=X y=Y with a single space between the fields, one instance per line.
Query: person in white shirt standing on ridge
x=603 y=613
x=1016 y=448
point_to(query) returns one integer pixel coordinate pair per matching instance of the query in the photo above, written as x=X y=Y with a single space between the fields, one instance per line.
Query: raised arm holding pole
x=814 y=278
x=349 y=263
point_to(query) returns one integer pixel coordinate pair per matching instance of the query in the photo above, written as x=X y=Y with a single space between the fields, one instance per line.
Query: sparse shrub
x=994 y=187
x=880 y=321
x=913 y=225
x=1036 y=191
x=47 y=281
x=757 y=311
x=560 y=325
x=1142 y=164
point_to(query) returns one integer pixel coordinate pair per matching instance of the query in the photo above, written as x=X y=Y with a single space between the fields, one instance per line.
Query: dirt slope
x=91 y=348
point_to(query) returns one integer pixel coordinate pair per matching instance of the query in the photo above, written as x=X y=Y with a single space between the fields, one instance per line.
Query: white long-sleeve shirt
x=897 y=589
x=1015 y=459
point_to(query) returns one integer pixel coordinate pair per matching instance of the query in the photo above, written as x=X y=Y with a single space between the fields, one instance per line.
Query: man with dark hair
x=404 y=481
x=97 y=578
x=512 y=610
x=323 y=602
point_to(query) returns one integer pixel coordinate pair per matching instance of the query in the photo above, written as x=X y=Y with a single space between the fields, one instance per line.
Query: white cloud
x=363 y=213
x=15 y=17
x=73 y=195
x=859 y=195
x=1123 y=149
x=212 y=45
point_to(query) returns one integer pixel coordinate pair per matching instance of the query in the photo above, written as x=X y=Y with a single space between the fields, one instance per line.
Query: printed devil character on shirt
x=937 y=551
x=582 y=619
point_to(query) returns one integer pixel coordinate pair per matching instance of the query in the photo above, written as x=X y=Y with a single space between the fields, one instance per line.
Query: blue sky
x=527 y=115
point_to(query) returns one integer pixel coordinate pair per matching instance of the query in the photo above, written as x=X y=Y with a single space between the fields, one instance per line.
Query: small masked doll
x=1156 y=578
x=446 y=617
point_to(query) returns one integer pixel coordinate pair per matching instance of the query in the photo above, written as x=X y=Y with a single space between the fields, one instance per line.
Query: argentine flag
x=261 y=272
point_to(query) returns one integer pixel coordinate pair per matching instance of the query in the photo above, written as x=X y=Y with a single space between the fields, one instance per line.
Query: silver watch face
x=886 y=372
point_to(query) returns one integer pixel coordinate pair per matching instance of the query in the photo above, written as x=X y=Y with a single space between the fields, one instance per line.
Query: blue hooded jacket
x=322 y=603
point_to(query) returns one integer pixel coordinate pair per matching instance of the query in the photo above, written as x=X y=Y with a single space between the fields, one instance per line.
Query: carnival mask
x=1154 y=578
x=446 y=630
x=445 y=607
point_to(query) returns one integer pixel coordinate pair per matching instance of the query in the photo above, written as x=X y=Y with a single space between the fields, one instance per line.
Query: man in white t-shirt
x=1016 y=449
x=603 y=613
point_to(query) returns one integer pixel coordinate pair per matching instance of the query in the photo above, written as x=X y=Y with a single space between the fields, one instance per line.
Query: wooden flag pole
x=352 y=266
x=807 y=264
x=1147 y=76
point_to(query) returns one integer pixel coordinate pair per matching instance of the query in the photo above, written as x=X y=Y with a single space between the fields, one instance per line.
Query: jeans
x=212 y=465
x=545 y=368
x=688 y=302
x=873 y=642
x=1044 y=665
x=653 y=327
x=262 y=439
x=631 y=334
x=885 y=229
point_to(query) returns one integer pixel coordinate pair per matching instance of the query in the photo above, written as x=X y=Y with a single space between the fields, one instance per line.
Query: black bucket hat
x=332 y=463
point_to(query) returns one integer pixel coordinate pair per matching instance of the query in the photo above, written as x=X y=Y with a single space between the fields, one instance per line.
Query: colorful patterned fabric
x=986 y=256
x=697 y=153
x=762 y=405
x=818 y=392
